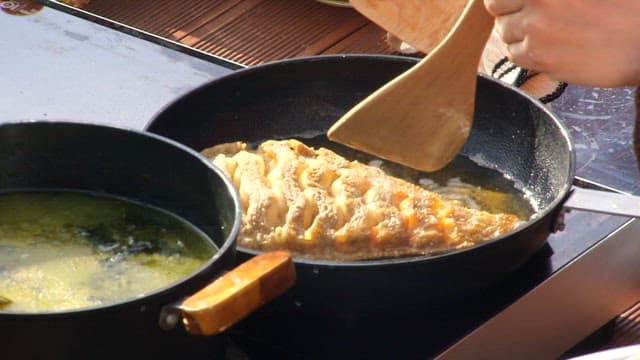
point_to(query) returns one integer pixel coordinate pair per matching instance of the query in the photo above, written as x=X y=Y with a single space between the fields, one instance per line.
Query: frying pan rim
x=227 y=246
x=408 y=260
x=275 y=63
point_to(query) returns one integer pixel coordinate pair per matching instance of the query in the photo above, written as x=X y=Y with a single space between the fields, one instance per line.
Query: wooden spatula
x=422 y=118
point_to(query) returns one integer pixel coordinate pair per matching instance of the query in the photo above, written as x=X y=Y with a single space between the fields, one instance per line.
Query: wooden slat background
x=250 y=32
x=627 y=329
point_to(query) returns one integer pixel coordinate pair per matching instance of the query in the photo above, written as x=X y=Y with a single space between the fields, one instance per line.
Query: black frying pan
x=142 y=167
x=512 y=133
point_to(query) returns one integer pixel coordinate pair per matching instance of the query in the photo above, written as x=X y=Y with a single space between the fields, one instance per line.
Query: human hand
x=584 y=42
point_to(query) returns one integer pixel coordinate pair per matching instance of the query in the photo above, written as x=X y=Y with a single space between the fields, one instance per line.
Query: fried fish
x=317 y=204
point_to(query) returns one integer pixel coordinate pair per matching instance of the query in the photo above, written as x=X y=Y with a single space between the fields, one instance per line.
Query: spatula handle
x=422 y=24
x=470 y=33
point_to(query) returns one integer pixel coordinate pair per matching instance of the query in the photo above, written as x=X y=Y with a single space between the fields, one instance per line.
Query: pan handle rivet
x=169 y=317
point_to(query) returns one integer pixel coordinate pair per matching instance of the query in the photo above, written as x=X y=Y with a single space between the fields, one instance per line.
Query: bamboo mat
x=250 y=32
x=626 y=331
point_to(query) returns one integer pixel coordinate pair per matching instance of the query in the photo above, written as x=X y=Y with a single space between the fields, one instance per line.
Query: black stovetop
x=66 y=65
x=421 y=335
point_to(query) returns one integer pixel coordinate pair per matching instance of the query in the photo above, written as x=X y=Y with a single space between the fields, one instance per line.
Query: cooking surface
x=601 y=123
x=426 y=334
x=64 y=67
x=57 y=66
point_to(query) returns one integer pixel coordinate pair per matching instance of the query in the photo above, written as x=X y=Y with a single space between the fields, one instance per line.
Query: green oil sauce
x=63 y=250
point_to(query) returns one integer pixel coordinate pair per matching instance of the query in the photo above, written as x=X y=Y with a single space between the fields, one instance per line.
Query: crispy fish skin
x=318 y=204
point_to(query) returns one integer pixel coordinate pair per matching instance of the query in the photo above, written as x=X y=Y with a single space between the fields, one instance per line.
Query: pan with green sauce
x=64 y=250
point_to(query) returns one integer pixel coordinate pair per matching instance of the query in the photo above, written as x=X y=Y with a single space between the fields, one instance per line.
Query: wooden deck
x=250 y=32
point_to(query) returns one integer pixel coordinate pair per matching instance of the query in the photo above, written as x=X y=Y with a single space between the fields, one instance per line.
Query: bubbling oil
x=64 y=250
x=462 y=181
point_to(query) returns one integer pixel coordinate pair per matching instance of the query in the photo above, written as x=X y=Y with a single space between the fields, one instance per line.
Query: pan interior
x=515 y=145
x=125 y=164
x=65 y=250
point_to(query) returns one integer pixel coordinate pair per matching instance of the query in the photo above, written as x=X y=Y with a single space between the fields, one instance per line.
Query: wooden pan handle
x=237 y=293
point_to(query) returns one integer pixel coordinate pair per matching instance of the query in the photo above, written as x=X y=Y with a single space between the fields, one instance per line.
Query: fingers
x=510 y=25
x=503 y=7
x=520 y=53
x=559 y=37
x=509 y=20
x=510 y=28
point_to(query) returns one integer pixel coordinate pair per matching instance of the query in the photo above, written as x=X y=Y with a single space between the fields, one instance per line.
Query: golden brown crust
x=315 y=203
